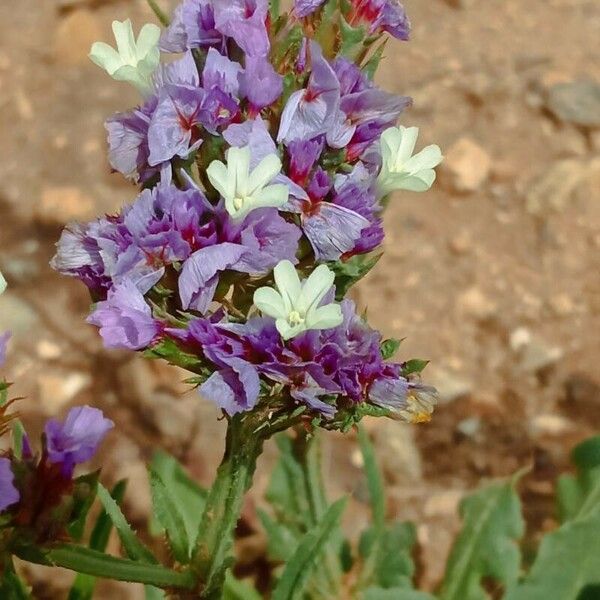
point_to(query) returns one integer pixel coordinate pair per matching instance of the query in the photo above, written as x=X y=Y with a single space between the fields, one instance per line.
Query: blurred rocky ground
x=493 y=276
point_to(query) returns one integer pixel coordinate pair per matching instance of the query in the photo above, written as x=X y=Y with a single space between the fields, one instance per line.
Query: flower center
x=238 y=203
x=295 y=318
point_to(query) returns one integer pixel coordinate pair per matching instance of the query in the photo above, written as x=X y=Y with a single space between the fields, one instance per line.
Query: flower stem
x=224 y=506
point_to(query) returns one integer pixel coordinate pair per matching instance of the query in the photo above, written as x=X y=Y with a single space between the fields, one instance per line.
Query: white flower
x=243 y=189
x=400 y=170
x=2 y=284
x=133 y=62
x=296 y=305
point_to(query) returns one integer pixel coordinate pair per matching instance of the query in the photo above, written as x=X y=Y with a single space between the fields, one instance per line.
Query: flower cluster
x=265 y=152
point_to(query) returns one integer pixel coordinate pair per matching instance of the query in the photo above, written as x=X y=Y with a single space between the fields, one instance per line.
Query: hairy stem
x=224 y=506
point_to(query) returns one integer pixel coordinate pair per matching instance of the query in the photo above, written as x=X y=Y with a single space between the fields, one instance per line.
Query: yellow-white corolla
x=296 y=305
x=134 y=61
x=400 y=169
x=245 y=189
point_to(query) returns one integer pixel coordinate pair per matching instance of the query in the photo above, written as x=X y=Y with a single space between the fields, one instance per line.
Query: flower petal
x=325 y=317
x=315 y=288
x=288 y=283
x=263 y=174
x=270 y=303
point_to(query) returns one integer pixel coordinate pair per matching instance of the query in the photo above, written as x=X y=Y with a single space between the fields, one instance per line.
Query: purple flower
x=193 y=26
x=303 y=8
x=200 y=274
x=381 y=15
x=311 y=112
x=128 y=150
x=9 y=494
x=260 y=84
x=222 y=73
x=125 y=318
x=77 y=439
x=244 y=22
x=235 y=386
x=4 y=339
x=173 y=126
x=303 y=154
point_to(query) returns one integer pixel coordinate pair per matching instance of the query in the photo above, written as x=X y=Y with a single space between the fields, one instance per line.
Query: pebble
x=550 y=424
x=469 y=427
x=450 y=386
x=473 y=302
x=535 y=354
x=48 y=350
x=466 y=166
x=461 y=244
x=443 y=504
x=562 y=305
x=576 y=102
x=552 y=191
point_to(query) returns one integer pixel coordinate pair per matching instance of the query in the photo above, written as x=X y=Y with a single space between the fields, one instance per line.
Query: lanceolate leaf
x=486 y=546
x=12 y=588
x=92 y=562
x=579 y=496
x=374 y=479
x=83 y=587
x=567 y=562
x=170 y=518
x=238 y=590
x=188 y=496
x=395 y=594
x=134 y=548
x=295 y=576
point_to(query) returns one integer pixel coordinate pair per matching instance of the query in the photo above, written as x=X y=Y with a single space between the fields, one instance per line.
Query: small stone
x=520 y=338
x=450 y=386
x=551 y=425
x=470 y=427
x=466 y=166
x=461 y=244
x=562 y=305
x=576 y=102
x=538 y=356
x=443 y=504
x=64 y=204
x=58 y=390
x=473 y=302
x=74 y=37
x=48 y=350
x=552 y=191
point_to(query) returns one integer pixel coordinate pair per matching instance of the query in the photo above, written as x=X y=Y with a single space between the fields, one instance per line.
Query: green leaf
x=416 y=365
x=281 y=540
x=372 y=64
x=275 y=9
x=374 y=479
x=392 y=562
x=389 y=348
x=486 y=546
x=297 y=571
x=83 y=587
x=98 y=564
x=13 y=588
x=579 y=496
x=238 y=590
x=352 y=38
x=84 y=494
x=567 y=562
x=153 y=593
x=351 y=271
x=134 y=548
x=168 y=350
x=18 y=432
x=395 y=594
x=188 y=496
x=168 y=515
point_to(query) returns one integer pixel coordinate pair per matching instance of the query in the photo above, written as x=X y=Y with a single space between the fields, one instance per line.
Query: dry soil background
x=494 y=275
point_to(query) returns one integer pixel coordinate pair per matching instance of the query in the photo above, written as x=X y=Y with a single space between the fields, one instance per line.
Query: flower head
x=244 y=189
x=9 y=494
x=133 y=61
x=400 y=170
x=296 y=305
x=303 y=8
x=76 y=440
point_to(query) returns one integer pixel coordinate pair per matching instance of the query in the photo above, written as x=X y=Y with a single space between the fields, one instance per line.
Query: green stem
x=310 y=456
x=224 y=506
